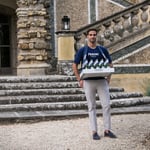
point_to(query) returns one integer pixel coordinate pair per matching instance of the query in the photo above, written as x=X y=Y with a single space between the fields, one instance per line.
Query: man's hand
x=75 y=70
x=108 y=78
x=81 y=83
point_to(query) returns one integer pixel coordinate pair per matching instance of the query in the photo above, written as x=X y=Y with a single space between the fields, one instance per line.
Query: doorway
x=5 y=65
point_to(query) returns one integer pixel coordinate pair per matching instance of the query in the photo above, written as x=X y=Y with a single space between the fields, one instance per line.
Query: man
x=91 y=85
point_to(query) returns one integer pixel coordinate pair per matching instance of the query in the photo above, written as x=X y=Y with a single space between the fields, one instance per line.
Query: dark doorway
x=5 y=66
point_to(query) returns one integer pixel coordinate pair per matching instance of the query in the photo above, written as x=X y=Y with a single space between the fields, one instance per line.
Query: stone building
x=28 y=43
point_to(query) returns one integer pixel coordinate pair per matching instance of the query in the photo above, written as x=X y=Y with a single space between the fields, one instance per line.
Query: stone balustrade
x=119 y=26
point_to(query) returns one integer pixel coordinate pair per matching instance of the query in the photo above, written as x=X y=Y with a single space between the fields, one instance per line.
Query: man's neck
x=92 y=45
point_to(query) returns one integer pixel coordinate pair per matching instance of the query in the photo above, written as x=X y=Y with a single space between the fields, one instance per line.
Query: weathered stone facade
x=76 y=10
x=33 y=36
x=107 y=8
x=34 y=51
x=79 y=13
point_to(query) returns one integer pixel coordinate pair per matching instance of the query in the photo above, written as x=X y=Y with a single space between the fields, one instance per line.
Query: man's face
x=92 y=36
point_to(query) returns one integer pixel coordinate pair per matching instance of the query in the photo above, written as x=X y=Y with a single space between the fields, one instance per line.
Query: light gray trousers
x=91 y=87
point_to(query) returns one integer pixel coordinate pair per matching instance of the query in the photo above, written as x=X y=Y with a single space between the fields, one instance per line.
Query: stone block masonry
x=33 y=37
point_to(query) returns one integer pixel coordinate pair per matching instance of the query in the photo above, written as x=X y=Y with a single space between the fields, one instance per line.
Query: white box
x=101 y=72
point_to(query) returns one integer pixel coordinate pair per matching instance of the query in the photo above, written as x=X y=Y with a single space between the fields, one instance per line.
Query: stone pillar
x=65 y=52
x=32 y=37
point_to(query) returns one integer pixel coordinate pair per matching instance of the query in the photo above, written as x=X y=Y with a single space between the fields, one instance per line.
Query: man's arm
x=109 y=77
x=76 y=72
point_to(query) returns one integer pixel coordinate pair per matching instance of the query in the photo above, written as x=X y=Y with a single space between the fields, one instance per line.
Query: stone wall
x=78 y=12
x=107 y=8
x=33 y=36
x=36 y=41
x=131 y=82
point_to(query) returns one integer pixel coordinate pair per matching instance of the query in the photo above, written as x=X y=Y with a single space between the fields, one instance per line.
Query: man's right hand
x=81 y=83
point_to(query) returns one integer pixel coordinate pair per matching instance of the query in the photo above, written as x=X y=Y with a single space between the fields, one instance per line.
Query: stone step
x=71 y=105
x=24 y=116
x=29 y=79
x=119 y=95
x=51 y=95
x=38 y=85
x=24 y=98
x=41 y=91
x=50 y=92
x=130 y=102
x=46 y=85
x=40 y=99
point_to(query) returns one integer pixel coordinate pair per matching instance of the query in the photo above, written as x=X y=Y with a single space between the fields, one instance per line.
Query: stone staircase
x=51 y=97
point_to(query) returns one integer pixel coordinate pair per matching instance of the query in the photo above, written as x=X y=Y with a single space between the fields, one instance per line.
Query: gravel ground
x=133 y=133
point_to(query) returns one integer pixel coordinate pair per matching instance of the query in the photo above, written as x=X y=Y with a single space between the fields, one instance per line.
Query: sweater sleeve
x=78 y=58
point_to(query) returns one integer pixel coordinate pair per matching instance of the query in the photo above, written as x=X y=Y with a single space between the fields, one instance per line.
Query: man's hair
x=92 y=29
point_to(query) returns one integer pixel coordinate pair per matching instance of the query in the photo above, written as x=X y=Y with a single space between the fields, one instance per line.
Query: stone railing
x=117 y=27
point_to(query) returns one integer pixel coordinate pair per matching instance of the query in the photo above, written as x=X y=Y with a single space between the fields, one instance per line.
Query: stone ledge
x=134 y=69
x=32 y=69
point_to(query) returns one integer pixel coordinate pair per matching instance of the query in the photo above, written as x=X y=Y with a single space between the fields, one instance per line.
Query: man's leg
x=103 y=92
x=90 y=92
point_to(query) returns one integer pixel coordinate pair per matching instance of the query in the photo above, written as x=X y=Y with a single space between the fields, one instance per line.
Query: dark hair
x=92 y=29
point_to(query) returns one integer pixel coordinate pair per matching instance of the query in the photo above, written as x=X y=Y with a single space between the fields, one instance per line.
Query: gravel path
x=133 y=133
